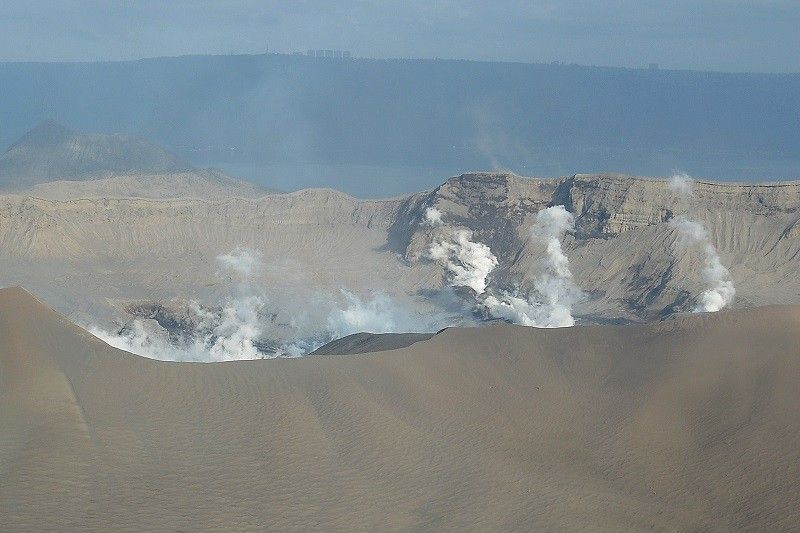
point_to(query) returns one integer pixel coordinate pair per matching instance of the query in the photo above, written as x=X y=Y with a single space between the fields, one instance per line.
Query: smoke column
x=233 y=334
x=227 y=334
x=234 y=331
x=380 y=314
x=469 y=263
x=681 y=184
x=241 y=261
x=555 y=291
x=720 y=289
x=433 y=217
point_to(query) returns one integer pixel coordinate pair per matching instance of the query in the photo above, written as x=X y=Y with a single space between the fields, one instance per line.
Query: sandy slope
x=689 y=424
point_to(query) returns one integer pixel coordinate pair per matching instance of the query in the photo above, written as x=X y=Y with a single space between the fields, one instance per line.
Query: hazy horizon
x=304 y=53
x=381 y=128
x=712 y=35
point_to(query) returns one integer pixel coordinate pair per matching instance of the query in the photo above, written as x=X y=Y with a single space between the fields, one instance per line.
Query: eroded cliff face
x=496 y=207
x=137 y=227
x=89 y=257
x=624 y=253
x=82 y=255
x=607 y=205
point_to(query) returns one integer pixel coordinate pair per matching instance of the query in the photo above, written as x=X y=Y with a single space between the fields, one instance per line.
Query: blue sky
x=725 y=35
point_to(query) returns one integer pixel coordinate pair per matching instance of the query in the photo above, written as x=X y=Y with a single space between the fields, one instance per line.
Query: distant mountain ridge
x=193 y=183
x=52 y=151
x=239 y=112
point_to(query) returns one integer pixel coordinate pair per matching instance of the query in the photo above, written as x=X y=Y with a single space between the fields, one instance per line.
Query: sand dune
x=685 y=424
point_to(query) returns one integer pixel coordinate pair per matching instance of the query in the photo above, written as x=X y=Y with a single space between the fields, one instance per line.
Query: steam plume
x=227 y=333
x=555 y=291
x=380 y=314
x=468 y=262
x=241 y=261
x=433 y=217
x=682 y=184
x=720 y=289
x=233 y=334
x=529 y=312
x=137 y=338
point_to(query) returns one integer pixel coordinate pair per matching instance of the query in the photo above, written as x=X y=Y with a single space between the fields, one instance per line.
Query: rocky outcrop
x=624 y=253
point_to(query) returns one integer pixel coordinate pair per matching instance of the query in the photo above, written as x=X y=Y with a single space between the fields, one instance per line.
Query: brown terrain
x=642 y=417
x=688 y=424
x=96 y=257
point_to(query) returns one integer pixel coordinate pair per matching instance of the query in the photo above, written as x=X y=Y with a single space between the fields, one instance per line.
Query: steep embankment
x=370 y=342
x=625 y=254
x=79 y=254
x=685 y=424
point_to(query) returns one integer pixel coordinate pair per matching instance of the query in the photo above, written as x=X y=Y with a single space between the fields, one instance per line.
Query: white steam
x=555 y=292
x=242 y=261
x=380 y=314
x=233 y=333
x=529 y=312
x=720 y=289
x=225 y=333
x=433 y=217
x=298 y=348
x=138 y=339
x=551 y=225
x=235 y=330
x=682 y=184
x=469 y=263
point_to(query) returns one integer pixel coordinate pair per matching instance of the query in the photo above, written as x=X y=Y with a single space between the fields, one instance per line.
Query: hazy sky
x=728 y=35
